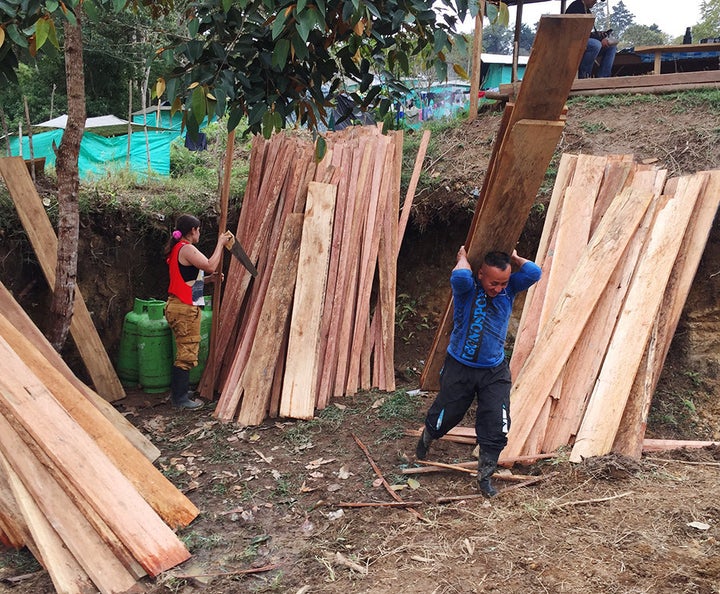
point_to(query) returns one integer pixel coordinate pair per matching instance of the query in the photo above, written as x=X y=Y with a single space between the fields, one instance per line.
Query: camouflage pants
x=184 y=321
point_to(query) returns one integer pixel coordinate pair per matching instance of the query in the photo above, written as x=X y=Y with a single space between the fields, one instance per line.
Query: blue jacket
x=480 y=323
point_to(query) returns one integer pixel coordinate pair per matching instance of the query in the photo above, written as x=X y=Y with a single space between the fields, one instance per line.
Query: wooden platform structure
x=646 y=83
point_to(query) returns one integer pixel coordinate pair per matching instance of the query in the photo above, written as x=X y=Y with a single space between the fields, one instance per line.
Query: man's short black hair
x=500 y=260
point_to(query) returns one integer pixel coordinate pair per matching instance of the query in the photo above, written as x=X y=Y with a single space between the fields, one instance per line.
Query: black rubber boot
x=423 y=445
x=486 y=467
x=180 y=390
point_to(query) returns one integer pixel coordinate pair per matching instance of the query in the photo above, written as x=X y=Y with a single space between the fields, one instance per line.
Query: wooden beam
x=300 y=381
x=44 y=241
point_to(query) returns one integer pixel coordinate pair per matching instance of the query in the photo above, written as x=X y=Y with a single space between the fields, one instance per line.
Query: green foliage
x=594 y=127
x=277 y=61
x=621 y=18
x=643 y=35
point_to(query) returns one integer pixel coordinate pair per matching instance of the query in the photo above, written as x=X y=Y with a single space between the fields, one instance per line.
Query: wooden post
x=516 y=39
x=476 y=65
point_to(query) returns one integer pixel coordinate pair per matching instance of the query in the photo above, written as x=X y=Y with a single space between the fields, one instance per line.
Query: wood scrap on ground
x=74 y=488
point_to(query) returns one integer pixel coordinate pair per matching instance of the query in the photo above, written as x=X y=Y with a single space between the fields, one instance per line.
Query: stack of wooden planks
x=619 y=252
x=77 y=483
x=318 y=321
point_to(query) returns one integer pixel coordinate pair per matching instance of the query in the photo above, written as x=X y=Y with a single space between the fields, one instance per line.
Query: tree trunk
x=68 y=187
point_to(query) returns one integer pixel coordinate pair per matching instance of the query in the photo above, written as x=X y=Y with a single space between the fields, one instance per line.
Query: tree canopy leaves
x=290 y=58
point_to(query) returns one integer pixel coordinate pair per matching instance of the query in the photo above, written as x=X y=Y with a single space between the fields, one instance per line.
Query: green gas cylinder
x=205 y=327
x=154 y=349
x=127 y=363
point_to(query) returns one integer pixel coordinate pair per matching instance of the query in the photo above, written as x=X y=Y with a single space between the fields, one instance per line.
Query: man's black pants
x=459 y=386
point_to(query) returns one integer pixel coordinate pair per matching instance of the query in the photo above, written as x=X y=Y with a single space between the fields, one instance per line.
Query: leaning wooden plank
x=559 y=46
x=257 y=379
x=564 y=327
x=629 y=440
x=368 y=264
x=71 y=544
x=586 y=358
x=572 y=236
x=227 y=406
x=300 y=381
x=607 y=402
x=524 y=158
x=174 y=508
x=343 y=155
x=22 y=322
x=347 y=329
x=530 y=318
x=44 y=241
x=207 y=384
x=28 y=405
x=271 y=200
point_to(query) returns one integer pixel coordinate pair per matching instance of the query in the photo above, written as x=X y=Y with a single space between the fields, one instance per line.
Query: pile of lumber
x=77 y=482
x=619 y=252
x=318 y=320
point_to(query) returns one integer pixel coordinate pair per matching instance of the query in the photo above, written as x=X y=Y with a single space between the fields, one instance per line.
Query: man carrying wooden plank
x=475 y=365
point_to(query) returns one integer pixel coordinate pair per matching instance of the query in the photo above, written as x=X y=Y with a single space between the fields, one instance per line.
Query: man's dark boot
x=486 y=467
x=423 y=445
x=180 y=390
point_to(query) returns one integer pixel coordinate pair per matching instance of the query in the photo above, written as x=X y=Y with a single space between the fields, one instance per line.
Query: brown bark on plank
x=22 y=322
x=368 y=261
x=629 y=440
x=175 y=509
x=608 y=400
x=44 y=241
x=257 y=379
x=27 y=404
x=565 y=326
x=300 y=381
x=347 y=327
x=72 y=542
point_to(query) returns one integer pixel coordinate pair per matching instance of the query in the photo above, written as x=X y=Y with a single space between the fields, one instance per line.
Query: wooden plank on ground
x=607 y=402
x=71 y=543
x=300 y=382
x=44 y=241
x=28 y=405
x=258 y=377
x=562 y=331
x=629 y=440
x=175 y=509
x=21 y=321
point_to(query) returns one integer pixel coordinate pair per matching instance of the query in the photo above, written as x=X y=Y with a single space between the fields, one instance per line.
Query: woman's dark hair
x=184 y=224
x=499 y=260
